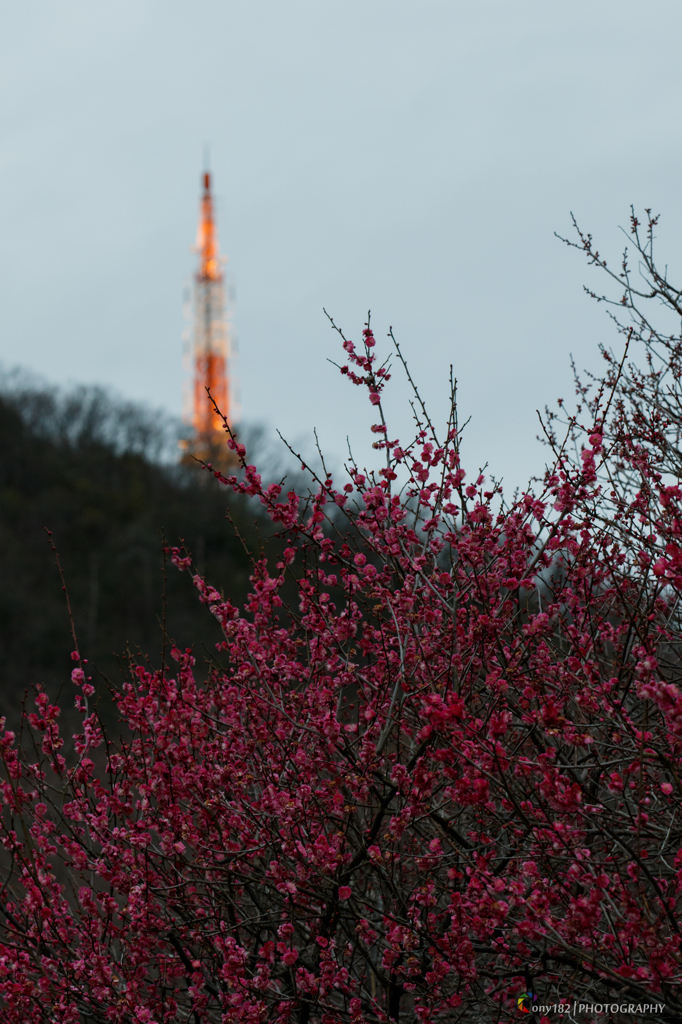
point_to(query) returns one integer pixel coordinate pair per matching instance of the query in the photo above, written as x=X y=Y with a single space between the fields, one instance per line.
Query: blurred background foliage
x=103 y=476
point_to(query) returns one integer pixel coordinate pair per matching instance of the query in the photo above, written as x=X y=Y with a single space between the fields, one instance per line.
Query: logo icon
x=525 y=1002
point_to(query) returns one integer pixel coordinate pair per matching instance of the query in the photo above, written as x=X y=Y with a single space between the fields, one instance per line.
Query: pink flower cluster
x=451 y=770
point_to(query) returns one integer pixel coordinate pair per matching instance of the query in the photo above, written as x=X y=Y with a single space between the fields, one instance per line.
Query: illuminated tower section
x=210 y=338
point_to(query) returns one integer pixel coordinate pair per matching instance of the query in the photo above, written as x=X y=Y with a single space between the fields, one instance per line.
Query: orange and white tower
x=209 y=337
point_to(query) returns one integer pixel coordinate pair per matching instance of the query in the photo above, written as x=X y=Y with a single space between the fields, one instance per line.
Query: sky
x=409 y=157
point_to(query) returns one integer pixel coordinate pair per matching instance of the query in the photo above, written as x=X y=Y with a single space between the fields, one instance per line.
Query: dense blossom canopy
x=446 y=780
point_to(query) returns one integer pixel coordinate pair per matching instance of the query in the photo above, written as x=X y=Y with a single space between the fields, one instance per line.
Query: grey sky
x=409 y=157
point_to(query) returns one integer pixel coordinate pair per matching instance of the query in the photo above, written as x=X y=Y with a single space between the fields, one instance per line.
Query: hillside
x=88 y=470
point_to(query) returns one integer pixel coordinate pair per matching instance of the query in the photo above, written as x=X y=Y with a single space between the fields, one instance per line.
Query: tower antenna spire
x=210 y=342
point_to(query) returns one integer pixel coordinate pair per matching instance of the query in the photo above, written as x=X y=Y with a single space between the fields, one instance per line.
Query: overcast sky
x=412 y=157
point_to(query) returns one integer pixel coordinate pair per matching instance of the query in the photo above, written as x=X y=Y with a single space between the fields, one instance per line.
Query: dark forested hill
x=88 y=470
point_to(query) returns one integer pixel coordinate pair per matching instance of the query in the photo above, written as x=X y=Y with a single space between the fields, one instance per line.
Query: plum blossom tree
x=447 y=775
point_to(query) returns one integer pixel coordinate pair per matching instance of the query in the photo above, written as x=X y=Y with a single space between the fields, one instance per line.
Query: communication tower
x=208 y=340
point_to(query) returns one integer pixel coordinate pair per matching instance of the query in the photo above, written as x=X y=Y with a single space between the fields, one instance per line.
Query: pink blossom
x=428 y=746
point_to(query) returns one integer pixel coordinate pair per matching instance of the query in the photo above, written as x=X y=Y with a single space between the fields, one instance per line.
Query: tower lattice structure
x=209 y=337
